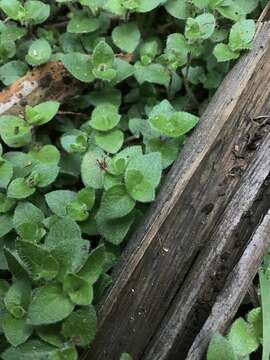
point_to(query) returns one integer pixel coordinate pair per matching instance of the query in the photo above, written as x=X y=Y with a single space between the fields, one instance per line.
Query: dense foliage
x=73 y=183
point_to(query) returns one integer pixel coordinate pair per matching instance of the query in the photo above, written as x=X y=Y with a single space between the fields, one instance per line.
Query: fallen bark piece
x=48 y=82
x=179 y=226
x=234 y=290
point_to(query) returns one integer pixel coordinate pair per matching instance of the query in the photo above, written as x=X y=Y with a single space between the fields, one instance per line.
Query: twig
x=63 y=113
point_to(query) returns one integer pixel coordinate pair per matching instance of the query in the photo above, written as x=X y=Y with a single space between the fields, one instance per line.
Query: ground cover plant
x=74 y=183
x=248 y=334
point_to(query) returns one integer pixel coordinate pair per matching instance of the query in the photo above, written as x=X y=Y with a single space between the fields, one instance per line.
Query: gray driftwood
x=216 y=194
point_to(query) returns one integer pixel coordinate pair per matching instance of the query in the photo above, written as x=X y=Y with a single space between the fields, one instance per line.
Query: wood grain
x=190 y=204
x=232 y=294
x=214 y=264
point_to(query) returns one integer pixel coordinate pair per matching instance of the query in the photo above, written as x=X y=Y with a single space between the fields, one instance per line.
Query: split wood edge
x=234 y=291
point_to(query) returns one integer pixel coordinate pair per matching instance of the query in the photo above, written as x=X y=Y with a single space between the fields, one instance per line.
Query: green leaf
x=125 y=356
x=201 y=27
x=115 y=231
x=77 y=210
x=39 y=52
x=81 y=324
x=142 y=177
x=36 y=12
x=31 y=350
x=180 y=9
x=176 y=125
x=152 y=73
x=15 y=265
x=126 y=36
x=105 y=117
x=223 y=52
x=16 y=331
x=68 y=353
x=220 y=348
x=47 y=154
x=17 y=298
x=114 y=6
x=42 y=113
x=148 y=5
x=242 y=339
x=93 y=268
x=58 y=200
x=149 y=49
x=39 y=261
x=94 y=5
x=87 y=196
x=22 y=163
x=241 y=35
x=6 y=224
x=26 y=212
x=28 y=220
x=82 y=22
x=74 y=141
x=4 y=286
x=164 y=107
x=93 y=168
x=13 y=9
x=246 y=7
x=110 y=142
x=231 y=12
x=120 y=160
x=177 y=49
x=106 y=95
x=168 y=149
x=111 y=180
x=78 y=289
x=49 y=305
x=201 y=4
x=115 y=195
x=43 y=175
x=12 y=71
x=11 y=32
x=255 y=319
x=14 y=131
x=6 y=204
x=19 y=189
x=123 y=71
x=103 y=60
x=79 y=65
x=265 y=293
x=66 y=245
x=50 y=334
x=6 y=173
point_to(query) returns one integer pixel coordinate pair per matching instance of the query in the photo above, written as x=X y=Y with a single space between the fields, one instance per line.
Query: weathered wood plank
x=231 y=296
x=190 y=204
x=193 y=303
x=48 y=82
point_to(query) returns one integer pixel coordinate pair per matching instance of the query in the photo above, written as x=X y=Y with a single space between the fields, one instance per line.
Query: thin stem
x=63 y=113
x=186 y=83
